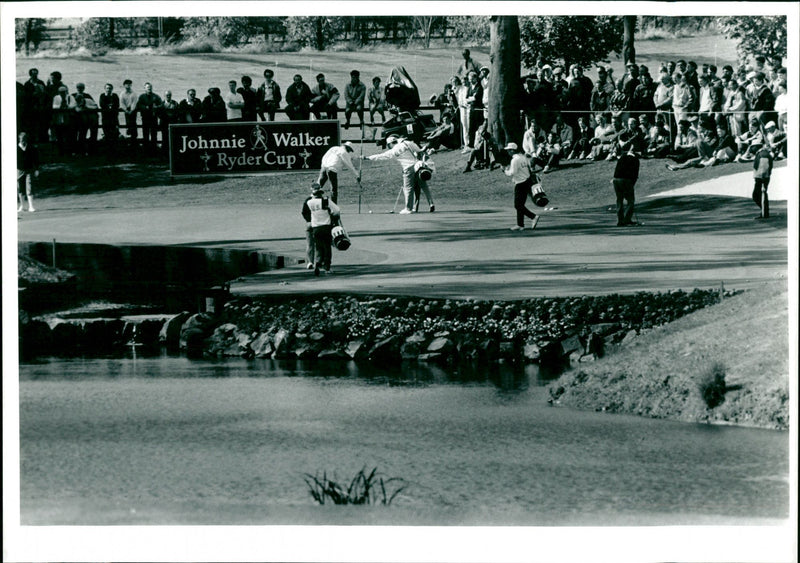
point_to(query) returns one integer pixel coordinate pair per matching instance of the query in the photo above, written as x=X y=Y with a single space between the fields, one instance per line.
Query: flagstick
x=360 y=164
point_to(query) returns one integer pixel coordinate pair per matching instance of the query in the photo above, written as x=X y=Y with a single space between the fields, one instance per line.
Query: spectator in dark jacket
x=626 y=173
x=250 y=97
x=214 y=107
x=298 y=99
x=191 y=108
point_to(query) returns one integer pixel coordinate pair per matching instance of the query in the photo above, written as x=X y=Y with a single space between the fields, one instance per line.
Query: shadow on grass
x=95 y=175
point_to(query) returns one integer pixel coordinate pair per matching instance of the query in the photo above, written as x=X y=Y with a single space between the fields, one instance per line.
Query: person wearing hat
x=519 y=170
x=354 y=94
x=334 y=159
x=321 y=215
x=407 y=153
x=775 y=139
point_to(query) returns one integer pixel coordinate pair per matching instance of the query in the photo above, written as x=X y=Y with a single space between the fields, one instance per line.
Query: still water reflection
x=171 y=440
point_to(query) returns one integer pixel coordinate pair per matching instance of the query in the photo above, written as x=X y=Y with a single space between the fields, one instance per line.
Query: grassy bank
x=661 y=372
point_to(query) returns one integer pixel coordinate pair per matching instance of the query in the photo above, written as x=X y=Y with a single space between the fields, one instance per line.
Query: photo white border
x=352 y=543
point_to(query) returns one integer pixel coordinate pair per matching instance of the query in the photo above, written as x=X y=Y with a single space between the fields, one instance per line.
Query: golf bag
x=341 y=240
x=538 y=195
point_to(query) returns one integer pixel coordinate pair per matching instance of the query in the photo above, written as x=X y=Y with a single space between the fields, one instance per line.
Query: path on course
x=695 y=239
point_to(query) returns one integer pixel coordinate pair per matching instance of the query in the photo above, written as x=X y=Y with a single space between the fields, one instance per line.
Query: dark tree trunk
x=628 y=50
x=503 y=101
x=111 y=31
x=320 y=36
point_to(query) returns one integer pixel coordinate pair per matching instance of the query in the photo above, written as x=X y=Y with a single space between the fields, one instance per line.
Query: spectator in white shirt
x=234 y=102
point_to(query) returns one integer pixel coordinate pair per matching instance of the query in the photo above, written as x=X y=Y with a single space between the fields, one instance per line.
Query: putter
x=396 y=201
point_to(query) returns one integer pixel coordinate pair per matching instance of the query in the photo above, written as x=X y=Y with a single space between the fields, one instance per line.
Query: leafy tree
x=228 y=31
x=471 y=29
x=29 y=30
x=100 y=34
x=570 y=39
x=757 y=35
x=318 y=32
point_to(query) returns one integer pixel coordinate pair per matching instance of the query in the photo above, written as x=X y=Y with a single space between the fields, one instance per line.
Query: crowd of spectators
x=72 y=120
x=694 y=117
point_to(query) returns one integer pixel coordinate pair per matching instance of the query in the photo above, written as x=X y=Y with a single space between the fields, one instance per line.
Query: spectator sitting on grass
x=444 y=134
x=705 y=144
x=657 y=139
x=604 y=137
x=531 y=139
x=549 y=154
x=750 y=141
x=726 y=146
x=775 y=140
x=582 y=145
x=685 y=147
x=564 y=134
x=480 y=155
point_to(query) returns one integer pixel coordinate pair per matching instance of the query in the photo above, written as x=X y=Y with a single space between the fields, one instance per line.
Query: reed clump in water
x=363 y=488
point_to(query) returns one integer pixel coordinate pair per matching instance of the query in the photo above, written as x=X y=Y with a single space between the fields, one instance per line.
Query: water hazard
x=173 y=441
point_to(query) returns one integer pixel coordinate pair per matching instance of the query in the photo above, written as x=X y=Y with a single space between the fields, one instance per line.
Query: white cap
x=547 y=67
x=391 y=139
x=348 y=144
x=511 y=147
x=770 y=125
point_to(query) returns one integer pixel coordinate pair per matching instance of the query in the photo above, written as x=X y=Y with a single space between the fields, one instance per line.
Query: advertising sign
x=249 y=147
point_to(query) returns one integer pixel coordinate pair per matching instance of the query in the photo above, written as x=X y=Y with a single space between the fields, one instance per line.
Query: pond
x=169 y=440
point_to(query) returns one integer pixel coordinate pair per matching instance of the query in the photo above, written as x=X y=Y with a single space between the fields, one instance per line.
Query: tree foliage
x=29 y=31
x=318 y=32
x=228 y=31
x=584 y=40
x=474 y=30
x=757 y=35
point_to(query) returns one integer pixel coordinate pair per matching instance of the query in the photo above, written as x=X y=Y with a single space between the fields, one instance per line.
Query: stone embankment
x=551 y=332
